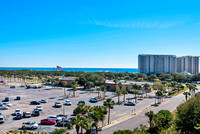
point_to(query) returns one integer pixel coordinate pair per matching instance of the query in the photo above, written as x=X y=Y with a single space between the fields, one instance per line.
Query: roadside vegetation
x=185 y=121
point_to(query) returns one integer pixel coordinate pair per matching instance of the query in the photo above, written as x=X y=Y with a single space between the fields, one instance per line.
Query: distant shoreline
x=114 y=70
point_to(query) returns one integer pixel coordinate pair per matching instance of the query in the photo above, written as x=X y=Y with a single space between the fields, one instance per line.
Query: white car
x=39 y=108
x=7 y=104
x=2 y=120
x=68 y=103
x=30 y=125
x=4 y=107
x=17 y=111
x=53 y=117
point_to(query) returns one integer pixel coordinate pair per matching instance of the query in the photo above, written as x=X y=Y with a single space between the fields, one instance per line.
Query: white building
x=154 y=64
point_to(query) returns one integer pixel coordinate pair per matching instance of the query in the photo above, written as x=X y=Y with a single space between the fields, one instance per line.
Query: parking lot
x=55 y=95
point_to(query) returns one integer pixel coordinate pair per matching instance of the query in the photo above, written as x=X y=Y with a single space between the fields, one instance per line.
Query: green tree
x=103 y=88
x=120 y=85
x=60 y=131
x=135 y=92
x=109 y=104
x=150 y=114
x=98 y=91
x=77 y=121
x=74 y=87
x=64 y=84
x=187 y=94
x=146 y=86
x=124 y=92
x=118 y=92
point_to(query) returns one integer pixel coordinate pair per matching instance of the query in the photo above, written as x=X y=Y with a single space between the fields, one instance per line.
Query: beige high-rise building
x=154 y=64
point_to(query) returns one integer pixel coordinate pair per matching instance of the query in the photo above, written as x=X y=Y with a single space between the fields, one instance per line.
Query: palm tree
x=192 y=87
x=87 y=125
x=150 y=114
x=135 y=92
x=103 y=88
x=52 y=83
x=159 y=93
x=97 y=116
x=120 y=85
x=145 y=87
x=173 y=84
x=118 y=92
x=64 y=84
x=186 y=95
x=109 y=104
x=124 y=92
x=77 y=121
x=74 y=86
x=98 y=90
x=135 y=86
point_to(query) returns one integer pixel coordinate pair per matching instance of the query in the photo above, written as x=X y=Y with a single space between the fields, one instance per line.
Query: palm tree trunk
x=97 y=129
x=108 y=115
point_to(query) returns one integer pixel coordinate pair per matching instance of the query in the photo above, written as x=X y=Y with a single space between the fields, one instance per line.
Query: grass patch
x=179 y=92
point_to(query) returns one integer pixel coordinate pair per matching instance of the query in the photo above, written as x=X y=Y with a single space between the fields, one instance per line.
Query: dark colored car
x=129 y=104
x=1 y=81
x=6 y=99
x=36 y=113
x=43 y=101
x=81 y=102
x=18 y=98
x=35 y=87
x=12 y=86
x=18 y=116
x=35 y=103
x=27 y=87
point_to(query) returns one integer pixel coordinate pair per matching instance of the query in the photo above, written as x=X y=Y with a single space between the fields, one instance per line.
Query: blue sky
x=95 y=33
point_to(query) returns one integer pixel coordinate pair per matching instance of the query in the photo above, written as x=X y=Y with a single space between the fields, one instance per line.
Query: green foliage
x=60 y=131
x=188 y=115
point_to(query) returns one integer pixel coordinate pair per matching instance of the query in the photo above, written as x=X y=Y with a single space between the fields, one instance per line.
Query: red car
x=48 y=122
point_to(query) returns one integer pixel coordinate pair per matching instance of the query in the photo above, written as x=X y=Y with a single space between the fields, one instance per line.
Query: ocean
x=115 y=70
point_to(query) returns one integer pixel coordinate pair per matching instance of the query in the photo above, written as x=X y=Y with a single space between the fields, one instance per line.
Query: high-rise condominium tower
x=154 y=64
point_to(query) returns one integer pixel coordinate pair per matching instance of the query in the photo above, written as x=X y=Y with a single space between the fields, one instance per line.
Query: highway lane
x=135 y=122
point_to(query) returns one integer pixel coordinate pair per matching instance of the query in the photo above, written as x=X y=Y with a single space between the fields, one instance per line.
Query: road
x=135 y=122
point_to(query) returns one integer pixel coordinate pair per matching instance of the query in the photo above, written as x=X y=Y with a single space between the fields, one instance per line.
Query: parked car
x=57 y=104
x=94 y=100
x=26 y=114
x=68 y=103
x=29 y=125
x=66 y=122
x=18 y=98
x=6 y=99
x=43 y=101
x=7 y=104
x=27 y=86
x=39 y=108
x=4 y=107
x=2 y=119
x=81 y=102
x=48 y=122
x=129 y=104
x=12 y=86
x=39 y=86
x=17 y=111
x=62 y=116
x=35 y=103
x=35 y=112
x=53 y=117
x=35 y=87
x=21 y=86
x=18 y=116
x=1 y=81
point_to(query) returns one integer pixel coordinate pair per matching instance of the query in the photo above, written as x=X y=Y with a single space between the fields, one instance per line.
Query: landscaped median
x=179 y=92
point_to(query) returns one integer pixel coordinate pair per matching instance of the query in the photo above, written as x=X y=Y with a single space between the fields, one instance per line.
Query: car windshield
x=17 y=110
x=39 y=106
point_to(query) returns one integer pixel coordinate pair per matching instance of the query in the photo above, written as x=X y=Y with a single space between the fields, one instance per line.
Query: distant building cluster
x=154 y=64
